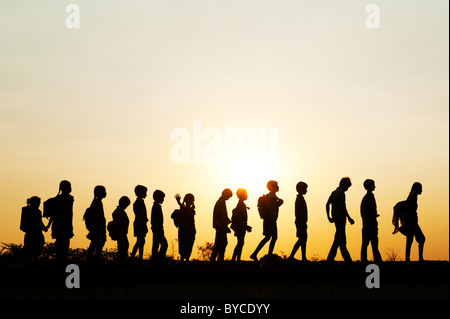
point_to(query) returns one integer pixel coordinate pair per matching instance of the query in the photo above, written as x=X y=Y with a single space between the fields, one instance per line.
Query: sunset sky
x=97 y=105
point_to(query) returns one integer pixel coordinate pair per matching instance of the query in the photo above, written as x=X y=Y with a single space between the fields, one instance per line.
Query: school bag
x=263 y=206
x=113 y=230
x=89 y=218
x=399 y=217
x=24 y=219
x=50 y=207
x=176 y=216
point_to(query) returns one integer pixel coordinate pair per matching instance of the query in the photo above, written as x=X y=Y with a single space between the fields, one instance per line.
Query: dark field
x=200 y=280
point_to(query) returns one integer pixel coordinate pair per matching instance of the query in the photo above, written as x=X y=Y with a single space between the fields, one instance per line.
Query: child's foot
x=253 y=257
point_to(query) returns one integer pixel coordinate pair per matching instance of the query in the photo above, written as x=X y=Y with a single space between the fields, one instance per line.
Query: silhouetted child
x=369 y=222
x=140 y=221
x=411 y=225
x=121 y=223
x=220 y=224
x=159 y=247
x=184 y=220
x=339 y=215
x=62 y=221
x=301 y=218
x=31 y=223
x=239 y=223
x=95 y=221
x=268 y=206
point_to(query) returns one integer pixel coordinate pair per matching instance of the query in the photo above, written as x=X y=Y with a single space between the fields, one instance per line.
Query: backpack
x=399 y=216
x=263 y=206
x=89 y=218
x=176 y=217
x=112 y=229
x=50 y=207
x=24 y=219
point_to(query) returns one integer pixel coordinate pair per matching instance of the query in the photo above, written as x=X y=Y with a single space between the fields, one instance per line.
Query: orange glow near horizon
x=107 y=103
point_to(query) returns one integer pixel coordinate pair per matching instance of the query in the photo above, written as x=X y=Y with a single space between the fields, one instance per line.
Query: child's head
x=158 y=196
x=189 y=199
x=369 y=185
x=124 y=202
x=272 y=186
x=416 y=188
x=100 y=191
x=140 y=191
x=302 y=188
x=34 y=202
x=227 y=193
x=241 y=193
x=345 y=183
x=65 y=187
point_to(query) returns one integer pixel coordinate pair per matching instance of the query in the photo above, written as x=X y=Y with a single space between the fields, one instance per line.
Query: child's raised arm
x=178 y=198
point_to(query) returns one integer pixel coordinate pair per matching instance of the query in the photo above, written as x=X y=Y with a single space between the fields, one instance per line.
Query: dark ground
x=267 y=279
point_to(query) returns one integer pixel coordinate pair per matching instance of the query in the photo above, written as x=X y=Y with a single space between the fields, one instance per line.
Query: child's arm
x=178 y=198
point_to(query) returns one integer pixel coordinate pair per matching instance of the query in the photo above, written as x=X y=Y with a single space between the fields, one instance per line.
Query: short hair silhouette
x=416 y=188
x=124 y=202
x=345 y=182
x=272 y=186
x=301 y=187
x=140 y=190
x=227 y=193
x=369 y=184
x=241 y=193
x=65 y=186
x=158 y=195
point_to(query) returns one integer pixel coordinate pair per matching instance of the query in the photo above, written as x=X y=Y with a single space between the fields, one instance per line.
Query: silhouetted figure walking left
x=411 y=222
x=239 y=220
x=95 y=221
x=183 y=218
x=268 y=206
x=31 y=223
x=140 y=221
x=369 y=217
x=159 y=247
x=339 y=215
x=301 y=218
x=61 y=219
x=220 y=224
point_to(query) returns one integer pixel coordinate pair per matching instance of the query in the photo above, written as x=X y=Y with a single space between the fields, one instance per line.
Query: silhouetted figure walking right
x=411 y=222
x=184 y=220
x=140 y=221
x=60 y=211
x=95 y=221
x=220 y=224
x=239 y=223
x=301 y=218
x=119 y=229
x=339 y=215
x=159 y=247
x=369 y=217
x=31 y=223
x=268 y=206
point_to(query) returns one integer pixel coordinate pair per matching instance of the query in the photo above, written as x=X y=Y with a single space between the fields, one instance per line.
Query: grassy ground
x=268 y=279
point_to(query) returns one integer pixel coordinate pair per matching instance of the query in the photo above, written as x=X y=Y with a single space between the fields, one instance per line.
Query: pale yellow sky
x=97 y=105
